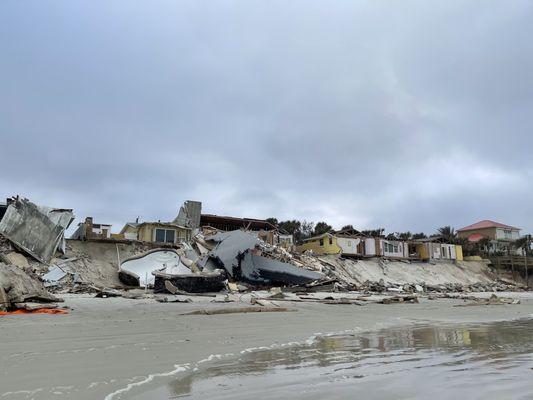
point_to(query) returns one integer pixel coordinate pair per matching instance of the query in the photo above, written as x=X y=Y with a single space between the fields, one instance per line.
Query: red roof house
x=489 y=229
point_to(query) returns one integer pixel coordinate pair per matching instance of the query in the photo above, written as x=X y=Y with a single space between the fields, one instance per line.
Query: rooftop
x=318 y=237
x=248 y=223
x=160 y=223
x=487 y=224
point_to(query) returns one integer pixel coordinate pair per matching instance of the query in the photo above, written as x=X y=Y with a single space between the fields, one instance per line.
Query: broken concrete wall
x=19 y=286
x=189 y=214
x=39 y=231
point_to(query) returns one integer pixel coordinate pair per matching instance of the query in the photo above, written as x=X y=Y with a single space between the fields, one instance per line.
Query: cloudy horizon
x=404 y=115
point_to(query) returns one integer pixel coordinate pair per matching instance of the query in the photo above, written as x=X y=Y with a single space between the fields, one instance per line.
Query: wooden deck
x=516 y=264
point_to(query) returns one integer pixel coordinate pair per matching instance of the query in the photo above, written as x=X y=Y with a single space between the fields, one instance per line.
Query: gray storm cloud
x=406 y=115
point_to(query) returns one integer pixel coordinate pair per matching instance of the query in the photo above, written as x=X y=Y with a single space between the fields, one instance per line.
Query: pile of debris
x=20 y=289
x=39 y=232
x=498 y=286
x=214 y=259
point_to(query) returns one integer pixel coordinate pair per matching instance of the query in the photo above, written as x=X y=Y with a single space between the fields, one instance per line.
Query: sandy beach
x=104 y=347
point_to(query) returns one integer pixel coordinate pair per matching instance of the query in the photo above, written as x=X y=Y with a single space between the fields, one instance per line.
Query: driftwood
x=344 y=301
x=263 y=302
x=239 y=310
x=35 y=306
x=173 y=300
x=399 y=299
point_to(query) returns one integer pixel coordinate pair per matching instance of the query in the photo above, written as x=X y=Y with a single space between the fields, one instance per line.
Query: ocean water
x=481 y=361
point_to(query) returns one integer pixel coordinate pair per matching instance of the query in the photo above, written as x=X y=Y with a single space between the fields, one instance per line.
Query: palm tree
x=405 y=235
x=447 y=233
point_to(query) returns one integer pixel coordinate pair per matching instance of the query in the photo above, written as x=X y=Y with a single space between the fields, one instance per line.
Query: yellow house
x=323 y=244
x=156 y=232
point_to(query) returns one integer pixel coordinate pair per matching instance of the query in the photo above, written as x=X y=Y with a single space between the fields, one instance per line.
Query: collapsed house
x=239 y=256
x=246 y=257
x=258 y=227
x=39 y=231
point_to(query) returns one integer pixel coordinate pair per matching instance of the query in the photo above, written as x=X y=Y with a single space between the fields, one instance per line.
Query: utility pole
x=528 y=239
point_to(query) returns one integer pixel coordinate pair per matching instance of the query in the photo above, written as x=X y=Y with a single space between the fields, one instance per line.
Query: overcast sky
x=407 y=115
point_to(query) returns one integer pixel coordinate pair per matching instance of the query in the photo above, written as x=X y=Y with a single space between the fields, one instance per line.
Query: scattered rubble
x=17 y=259
x=493 y=300
x=53 y=277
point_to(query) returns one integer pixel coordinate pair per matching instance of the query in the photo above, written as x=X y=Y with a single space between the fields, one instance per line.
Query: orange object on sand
x=36 y=311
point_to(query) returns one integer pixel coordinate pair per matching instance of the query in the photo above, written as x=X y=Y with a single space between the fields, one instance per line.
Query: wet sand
x=104 y=345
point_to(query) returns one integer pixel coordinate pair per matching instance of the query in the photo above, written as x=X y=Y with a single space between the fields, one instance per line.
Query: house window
x=390 y=248
x=330 y=240
x=165 y=235
x=321 y=242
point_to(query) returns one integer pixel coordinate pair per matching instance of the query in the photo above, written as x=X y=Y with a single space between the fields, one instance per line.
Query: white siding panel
x=348 y=245
x=370 y=247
